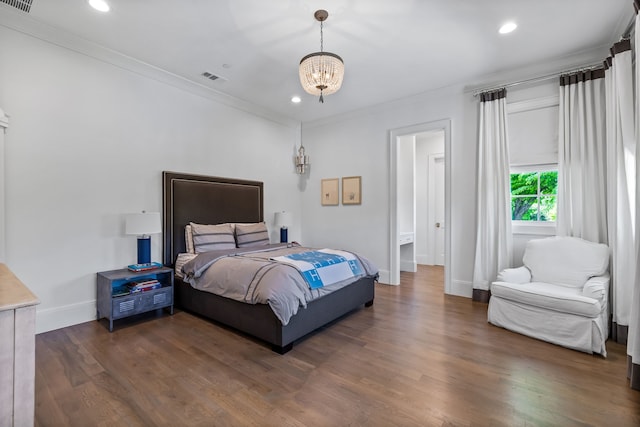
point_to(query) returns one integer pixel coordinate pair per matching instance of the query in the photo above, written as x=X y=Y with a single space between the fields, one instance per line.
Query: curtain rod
x=538 y=79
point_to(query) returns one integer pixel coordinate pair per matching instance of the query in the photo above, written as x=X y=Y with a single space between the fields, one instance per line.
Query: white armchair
x=560 y=295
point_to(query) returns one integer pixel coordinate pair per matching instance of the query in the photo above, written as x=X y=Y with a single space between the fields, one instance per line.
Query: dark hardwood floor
x=416 y=358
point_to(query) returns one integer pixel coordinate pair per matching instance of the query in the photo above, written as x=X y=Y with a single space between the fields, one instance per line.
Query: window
x=534 y=195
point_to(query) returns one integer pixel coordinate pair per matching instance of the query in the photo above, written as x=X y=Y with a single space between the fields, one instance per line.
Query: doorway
x=438 y=219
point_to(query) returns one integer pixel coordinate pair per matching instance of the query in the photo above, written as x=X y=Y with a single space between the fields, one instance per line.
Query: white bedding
x=181 y=260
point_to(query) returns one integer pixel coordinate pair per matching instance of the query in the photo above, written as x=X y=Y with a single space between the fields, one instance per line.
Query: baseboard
x=384 y=277
x=423 y=259
x=461 y=288
x=73 y=314
x=408 y=266
x=68 y=315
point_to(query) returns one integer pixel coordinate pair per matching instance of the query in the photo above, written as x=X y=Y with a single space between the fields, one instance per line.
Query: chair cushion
x=566 y=261
x=545 y=295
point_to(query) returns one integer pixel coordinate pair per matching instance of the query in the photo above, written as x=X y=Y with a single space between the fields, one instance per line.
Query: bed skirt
x=568 y=330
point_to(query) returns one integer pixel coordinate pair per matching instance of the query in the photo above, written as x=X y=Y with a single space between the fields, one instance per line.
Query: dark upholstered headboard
x=205 y=200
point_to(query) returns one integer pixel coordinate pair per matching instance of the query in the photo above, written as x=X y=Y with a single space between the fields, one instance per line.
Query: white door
x=439 y=209
x=436 y=209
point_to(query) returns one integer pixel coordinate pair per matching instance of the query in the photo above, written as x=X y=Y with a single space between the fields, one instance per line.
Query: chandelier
x=321 y=73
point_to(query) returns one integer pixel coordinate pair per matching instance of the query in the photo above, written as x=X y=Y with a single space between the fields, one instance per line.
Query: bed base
x=259 y=321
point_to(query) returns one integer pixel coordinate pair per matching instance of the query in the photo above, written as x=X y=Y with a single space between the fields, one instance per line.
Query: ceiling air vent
x=210 y=76
x=23 y=5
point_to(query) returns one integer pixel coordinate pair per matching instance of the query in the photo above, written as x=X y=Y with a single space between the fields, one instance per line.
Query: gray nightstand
x=114 y=305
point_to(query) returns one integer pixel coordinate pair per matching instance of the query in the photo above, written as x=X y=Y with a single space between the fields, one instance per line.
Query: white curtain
x=493 y=217
x=581 y=157
x=633 y=343
x=621 y=147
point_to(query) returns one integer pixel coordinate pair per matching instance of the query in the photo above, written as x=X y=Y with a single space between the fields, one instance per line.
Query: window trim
x=534 y=228
x=530 y=228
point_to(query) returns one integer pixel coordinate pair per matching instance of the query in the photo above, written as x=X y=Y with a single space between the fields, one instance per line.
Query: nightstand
x=114 y=303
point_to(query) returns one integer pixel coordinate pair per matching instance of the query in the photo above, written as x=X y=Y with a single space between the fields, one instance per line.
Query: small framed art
x=329 y=192
x=351 y=190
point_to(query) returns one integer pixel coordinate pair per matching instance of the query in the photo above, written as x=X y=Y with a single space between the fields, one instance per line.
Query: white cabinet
x=406 y=238
x=17 y=350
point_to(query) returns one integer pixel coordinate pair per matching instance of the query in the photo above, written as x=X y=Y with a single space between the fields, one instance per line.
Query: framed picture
x=351 y=190
x=329 y=192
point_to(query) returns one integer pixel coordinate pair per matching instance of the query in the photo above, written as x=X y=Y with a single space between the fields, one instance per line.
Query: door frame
x=394 y=232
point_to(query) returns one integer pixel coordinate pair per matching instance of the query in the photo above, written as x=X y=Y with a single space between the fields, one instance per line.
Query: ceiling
x=391 y=49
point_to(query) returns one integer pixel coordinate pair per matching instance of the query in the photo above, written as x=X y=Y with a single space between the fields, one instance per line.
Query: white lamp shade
x=143 y=223
x=283 y=219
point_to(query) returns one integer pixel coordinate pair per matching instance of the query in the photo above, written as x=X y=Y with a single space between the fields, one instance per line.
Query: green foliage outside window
x=533 y=196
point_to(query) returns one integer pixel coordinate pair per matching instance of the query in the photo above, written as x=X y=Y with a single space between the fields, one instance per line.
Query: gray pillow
x=212 y=237
x=248 y=235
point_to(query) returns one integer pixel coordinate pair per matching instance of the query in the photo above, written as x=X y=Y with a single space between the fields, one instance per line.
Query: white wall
x=406 y=183
x=87 y=143
x=361 y=147
x=4 y=123
x=407 y=199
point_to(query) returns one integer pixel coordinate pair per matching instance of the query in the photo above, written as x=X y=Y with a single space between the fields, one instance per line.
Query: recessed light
x=508 y=27
x=100 y=5
x=296 y=99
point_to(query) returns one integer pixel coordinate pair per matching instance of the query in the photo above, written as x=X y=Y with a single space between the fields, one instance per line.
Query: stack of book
x=143 y=285
x=119 y=291
x=144 y=267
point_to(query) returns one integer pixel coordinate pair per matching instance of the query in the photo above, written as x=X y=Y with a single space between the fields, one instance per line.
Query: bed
x=213 y=200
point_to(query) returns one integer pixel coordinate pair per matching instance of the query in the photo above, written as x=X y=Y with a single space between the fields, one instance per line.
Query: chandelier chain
x=321 y=99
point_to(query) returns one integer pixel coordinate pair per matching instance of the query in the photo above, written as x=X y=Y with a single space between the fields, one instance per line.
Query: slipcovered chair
x=560 y=295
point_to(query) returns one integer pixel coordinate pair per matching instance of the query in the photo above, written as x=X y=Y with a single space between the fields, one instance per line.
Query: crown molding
x=557 y=66
x=25 y=24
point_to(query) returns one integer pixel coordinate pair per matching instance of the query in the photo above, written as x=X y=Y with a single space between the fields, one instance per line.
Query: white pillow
x=188 y=239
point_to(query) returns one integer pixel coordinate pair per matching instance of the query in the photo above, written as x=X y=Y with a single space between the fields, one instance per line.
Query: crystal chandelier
x=321 y=73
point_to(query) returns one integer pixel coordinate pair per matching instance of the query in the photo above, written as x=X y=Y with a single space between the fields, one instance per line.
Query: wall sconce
x=283 y=220
x=142 y=225
x=302 y=160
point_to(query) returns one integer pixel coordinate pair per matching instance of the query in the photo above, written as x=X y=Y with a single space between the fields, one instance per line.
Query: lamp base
x=284 y=237
x=144 y=250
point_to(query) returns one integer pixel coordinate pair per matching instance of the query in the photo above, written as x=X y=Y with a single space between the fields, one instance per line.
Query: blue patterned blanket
x=324 y=267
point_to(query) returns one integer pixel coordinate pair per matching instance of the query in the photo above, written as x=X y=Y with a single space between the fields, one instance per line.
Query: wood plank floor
x=416 y=358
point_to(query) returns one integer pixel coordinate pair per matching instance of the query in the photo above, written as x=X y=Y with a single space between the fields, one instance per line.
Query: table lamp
x=283 y=220
x=143 y=224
